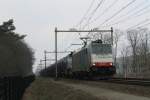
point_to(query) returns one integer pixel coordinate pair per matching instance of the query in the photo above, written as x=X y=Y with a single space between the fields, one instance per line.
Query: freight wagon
x=94 y=59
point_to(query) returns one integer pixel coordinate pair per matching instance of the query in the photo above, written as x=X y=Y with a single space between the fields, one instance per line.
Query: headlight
x=111 y=64
x=94 y=64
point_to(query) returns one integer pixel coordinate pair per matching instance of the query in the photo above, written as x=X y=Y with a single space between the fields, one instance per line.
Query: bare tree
x=125 y=52
x=116 y=37
x=133 y=38
x=143 y=50
x=138 y=39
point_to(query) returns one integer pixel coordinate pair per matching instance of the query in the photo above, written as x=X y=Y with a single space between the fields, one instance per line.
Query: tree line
x=134 y=57
x=16 y=57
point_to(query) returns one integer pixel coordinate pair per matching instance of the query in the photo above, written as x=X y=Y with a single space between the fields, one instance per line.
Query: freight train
x=92 y=60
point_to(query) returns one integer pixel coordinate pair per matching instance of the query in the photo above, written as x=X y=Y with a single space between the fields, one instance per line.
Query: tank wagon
x=94 y=59
x=64 y=67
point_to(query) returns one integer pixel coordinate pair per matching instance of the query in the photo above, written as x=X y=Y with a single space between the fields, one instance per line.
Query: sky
x=38 y=19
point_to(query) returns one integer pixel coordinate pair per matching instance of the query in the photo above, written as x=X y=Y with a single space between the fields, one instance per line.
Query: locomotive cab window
x=101 y=48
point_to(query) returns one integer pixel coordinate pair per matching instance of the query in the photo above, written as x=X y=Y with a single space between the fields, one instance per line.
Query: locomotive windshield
x=101 y=52
x=98 y=48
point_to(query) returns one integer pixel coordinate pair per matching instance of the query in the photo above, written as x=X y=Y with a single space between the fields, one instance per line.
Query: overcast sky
x=38 y=19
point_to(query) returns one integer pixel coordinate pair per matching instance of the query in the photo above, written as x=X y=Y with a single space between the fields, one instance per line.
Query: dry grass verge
x=46 y=89
x=129 y=89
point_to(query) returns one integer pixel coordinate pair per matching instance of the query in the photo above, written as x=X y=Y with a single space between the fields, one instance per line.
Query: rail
x=130 y=81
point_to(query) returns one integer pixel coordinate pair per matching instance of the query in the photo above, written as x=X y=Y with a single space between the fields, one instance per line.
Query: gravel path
x=103 y=93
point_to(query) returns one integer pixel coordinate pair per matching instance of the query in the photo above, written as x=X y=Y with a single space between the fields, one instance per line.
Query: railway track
x=127 y=81
x=130 y=81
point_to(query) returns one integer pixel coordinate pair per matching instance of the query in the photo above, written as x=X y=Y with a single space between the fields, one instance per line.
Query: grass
x=46 y=89
x=124 y=88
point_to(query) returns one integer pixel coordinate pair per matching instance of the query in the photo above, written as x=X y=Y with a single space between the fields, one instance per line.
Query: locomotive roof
x=87 y=46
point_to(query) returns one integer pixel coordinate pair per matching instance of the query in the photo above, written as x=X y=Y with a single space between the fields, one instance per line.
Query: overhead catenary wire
x=135 y=9
x=140 y=23
x=70 y=45
x=98 y=17
x=84 y=16
x=106 y=10
x=82 y=19
x=127 y=5
x=118 y=12
x=93 y=12
x=68 y=48
x=145 y=25
x=129 y=17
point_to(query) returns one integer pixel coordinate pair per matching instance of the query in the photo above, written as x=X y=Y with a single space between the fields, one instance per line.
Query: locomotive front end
x=102 y=59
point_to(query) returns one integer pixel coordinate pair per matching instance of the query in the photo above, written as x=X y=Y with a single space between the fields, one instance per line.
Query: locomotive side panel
x=81 y=61
x=69 y=62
